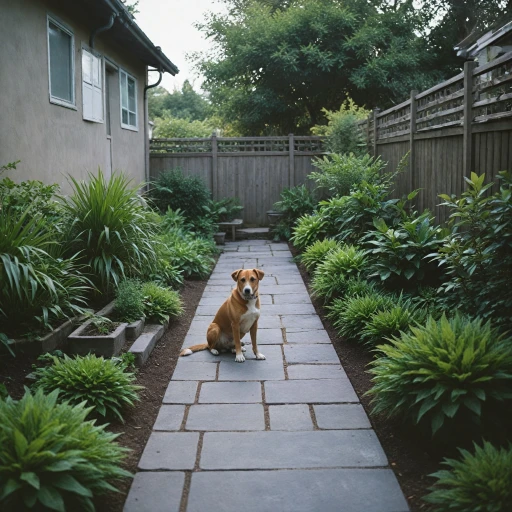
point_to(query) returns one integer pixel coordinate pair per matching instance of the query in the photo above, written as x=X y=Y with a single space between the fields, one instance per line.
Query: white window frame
x=101 y=88
x=53 y=99
x=133 y=128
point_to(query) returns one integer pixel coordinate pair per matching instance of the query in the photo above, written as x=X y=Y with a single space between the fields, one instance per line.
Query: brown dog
x=236 y=317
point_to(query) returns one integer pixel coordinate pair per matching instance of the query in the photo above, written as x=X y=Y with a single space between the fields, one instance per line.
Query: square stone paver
x=308 y=337
x=229 y=417
x=309 y=391
x=301 y=322
x=290 y=417
x=316 y=371
x=252 y=369
x=268 y=321
x=343 y=416
x=169 y=417
x=180 y=392
x=194 y=370
x=155 y=492
x=310 y=354
x=291 y=450
x=279 y=289
x=230 y=392
x=289 y=309
x=292 y=298
x=316 y=490
x=266 y=337
x=170 y=450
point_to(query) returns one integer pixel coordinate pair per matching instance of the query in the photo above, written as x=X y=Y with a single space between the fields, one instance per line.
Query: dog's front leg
x=239 y=355
x=254 y=330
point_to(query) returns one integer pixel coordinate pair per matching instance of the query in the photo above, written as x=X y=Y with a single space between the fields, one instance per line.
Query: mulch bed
x=411 y=456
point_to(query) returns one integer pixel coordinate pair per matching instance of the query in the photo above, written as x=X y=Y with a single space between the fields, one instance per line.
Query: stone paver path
x=284 y=434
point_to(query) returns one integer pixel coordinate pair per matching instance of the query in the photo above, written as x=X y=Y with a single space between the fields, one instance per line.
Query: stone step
x=253 y=233
x=145 y=343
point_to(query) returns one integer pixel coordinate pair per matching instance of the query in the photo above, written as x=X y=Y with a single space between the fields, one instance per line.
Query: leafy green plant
x=6 y=342
x=338 y=173
x=101 y=324
x=338 y=266
x=223 y=210
x=3 y=392
x=126 y=360
x=161 y=303
x=9 y=166
x=476 y=482
x=51 y=458
x=308 y=229
x=100 y=383
x=444 y=370
x=129 y=304
x=351 y=315
x=110 y=228
x=316 y=253
x=477 y=255
x=174 y=190
x=398 y=255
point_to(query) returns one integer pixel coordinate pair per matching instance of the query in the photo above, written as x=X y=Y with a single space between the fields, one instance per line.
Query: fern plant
x=51 y=458
x=316 y=253
x=443 y=370
x=100 y=383
x=476 y=482
x=308 y=229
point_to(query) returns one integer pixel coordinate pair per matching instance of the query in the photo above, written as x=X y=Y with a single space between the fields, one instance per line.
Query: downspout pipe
x=156 y=84
x=99 y=30
x=146 y=124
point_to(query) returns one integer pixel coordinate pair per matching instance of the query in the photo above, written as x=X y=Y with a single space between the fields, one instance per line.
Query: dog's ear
x=259 y=273
x=234 y=275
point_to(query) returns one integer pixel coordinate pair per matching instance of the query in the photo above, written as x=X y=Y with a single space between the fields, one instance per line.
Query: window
x=61 y=63
x=92 y=87
x=128 y=100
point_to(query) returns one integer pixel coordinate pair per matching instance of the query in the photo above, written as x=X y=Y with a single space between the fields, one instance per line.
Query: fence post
x=412 y=130
x=215 y=191
x=368 y=133
x=467 y=154
x=375 y=130
x=291 y=170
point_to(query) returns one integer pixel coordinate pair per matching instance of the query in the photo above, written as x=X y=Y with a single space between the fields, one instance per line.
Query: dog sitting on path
x=236 y=317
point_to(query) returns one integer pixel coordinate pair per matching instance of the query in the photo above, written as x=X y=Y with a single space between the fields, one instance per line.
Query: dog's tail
x=193 y=348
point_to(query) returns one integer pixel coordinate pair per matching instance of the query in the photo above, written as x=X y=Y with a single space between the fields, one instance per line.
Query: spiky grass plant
x=110 y=228
x=476 y=482
x=160 y=303
x=350 y=315
x=316 y=252
x=101 y=383
x=308 y=229
x=444 y=370
x=51 y=458
x=338 y=266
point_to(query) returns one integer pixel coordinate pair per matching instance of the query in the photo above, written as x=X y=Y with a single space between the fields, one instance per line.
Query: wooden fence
x=458 y=126
x=254 y=169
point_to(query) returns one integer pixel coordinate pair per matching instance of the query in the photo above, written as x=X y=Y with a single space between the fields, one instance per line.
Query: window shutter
x=92 y=87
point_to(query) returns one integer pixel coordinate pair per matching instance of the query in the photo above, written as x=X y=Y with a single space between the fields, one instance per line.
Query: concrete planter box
x=134 y=330
x=106 y=346
x=273 y=217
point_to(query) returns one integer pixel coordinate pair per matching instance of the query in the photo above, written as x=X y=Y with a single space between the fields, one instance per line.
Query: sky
x=170 y=25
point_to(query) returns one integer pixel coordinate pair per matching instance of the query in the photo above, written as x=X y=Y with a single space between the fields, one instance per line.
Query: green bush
x=337 y=173
x=129 y=304
x=308 y=229
x=111 y=229
x=223 y=210
x=35 y=286
x=477 y=482
x=477 y=256
x=399 y=254
x=446 y=369
x=316 y=253
x=338 y=266
x=101 y=383
x=351 y=315
x=174 y=190
x=51 y=458
x=161 y=303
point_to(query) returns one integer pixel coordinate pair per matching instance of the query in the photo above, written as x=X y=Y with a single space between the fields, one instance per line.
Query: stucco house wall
x=53 y=141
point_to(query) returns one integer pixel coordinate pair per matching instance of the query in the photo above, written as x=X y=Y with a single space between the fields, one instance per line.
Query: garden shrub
x=477 y=255
x=174 y=190
x=338 y=266
x=223 y=210
x=316 y=253
x=338 y=173
x=308 y=229
x=351 y=315
x=161 y=303
x=51 y=458
x=444 y=370
x=129 y=303
x=111 y=229
x=476 y=482
x=399 y=253
x=101 y=383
